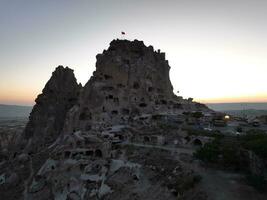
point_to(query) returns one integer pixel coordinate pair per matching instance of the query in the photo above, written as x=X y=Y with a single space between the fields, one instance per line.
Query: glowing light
x=226 y=117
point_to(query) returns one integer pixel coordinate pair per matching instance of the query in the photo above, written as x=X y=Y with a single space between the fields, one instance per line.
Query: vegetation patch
x=229 y=153
x=256 y=141
x=202 y=132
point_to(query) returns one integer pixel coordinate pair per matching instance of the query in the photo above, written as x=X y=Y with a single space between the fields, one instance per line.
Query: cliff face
x=48 y=115
x=131 y=79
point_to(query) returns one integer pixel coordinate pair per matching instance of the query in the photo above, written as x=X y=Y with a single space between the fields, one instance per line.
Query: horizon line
x=31 y=105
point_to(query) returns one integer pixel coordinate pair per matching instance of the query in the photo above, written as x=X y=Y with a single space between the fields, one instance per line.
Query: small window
x=107 y=77
x=98 y=153
x=114 y=112
x=142 y=105
x=150 y=89
x=163 y=101
x=136 y=85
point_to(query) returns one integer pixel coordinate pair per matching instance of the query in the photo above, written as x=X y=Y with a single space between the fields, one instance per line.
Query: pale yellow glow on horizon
x=260 y=98
x=16 y=96
x=224 y=74
x=28 y=99
x=208 y=74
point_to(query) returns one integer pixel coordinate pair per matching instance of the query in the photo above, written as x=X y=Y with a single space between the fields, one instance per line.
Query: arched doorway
x=98 y=153
x=197 y=142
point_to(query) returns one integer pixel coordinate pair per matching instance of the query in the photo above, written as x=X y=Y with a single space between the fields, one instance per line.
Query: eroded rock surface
x=115 y=138
x=48 y=115
x=130 y=80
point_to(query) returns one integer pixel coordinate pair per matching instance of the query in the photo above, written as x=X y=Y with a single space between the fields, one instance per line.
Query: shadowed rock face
x=48 y=115
x=130 y=79
x=127 y=99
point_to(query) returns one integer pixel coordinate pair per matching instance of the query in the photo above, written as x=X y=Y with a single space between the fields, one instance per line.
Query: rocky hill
x=94 y=142
x=130 y=80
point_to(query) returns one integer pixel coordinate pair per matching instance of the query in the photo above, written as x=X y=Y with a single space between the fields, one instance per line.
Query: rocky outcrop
x=48 y=115
x=78 y=143
x=131 y=79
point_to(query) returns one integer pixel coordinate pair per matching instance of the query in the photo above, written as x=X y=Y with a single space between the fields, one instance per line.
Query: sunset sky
x=217 y=49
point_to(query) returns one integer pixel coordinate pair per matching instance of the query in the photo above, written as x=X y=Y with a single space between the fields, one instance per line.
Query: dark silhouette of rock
x=71 y=141
x=130 y=79
x=48 y=115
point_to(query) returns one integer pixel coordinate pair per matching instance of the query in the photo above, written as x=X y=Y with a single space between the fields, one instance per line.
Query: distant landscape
x=237 y=106
x=241 y=109
x=249 y=109
x=14 y=111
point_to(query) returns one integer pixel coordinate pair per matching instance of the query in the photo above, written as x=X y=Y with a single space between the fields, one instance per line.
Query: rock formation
x=80 y=143
x=48 y=115
x=130 y=80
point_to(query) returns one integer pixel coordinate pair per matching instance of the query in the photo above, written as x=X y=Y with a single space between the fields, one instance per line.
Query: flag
x=123 y=33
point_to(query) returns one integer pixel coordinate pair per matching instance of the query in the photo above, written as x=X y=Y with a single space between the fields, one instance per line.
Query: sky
x=217 y=49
